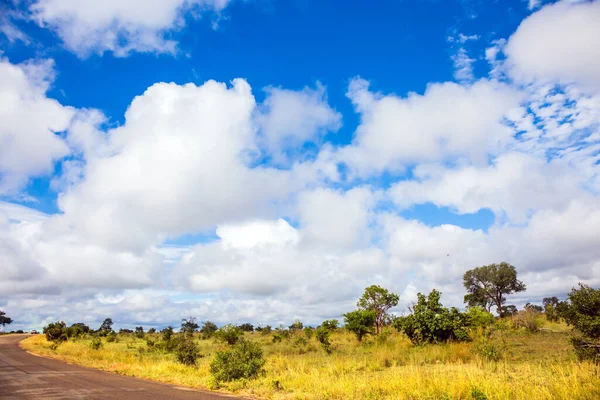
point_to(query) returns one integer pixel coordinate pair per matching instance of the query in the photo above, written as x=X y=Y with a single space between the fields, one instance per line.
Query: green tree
x=246 y=327
x=360 y=322
x=296 y=326
x=106 y=326
x=56 y=332
x=77 y=330
x=139 y=332
x=323 y=334
x=229 y=334
x=188 y=326
x=208 y=329
x=243 y=360
x=551 y=308
x=4 y=320
x=582 y=311
x=330 y=324
x=488 y=285
x=378 y=300
x=431 y=322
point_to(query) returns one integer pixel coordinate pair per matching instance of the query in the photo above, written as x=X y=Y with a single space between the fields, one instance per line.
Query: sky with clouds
x=266 y=160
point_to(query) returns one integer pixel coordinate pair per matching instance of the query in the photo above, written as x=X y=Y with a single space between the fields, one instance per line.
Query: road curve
x=25 y=376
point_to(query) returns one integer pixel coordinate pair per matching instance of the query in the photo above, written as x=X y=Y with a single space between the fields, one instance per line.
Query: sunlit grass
x=536 y=366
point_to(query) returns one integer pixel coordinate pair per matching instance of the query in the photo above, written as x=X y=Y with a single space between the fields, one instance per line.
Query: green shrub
x=187 y=352
x=308 y=332
x=323 y=334
x=243 y=360
x=266 y=330
x=111 y=337
x=96 y=343
x=582 y=311
x=139 y=332
x=430 y=322
x=360 y=322
x=56 y=332
x=277 y=338
x=478 y=317
x=229 y=334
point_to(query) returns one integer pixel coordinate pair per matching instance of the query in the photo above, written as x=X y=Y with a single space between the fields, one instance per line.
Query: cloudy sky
x=266 y=160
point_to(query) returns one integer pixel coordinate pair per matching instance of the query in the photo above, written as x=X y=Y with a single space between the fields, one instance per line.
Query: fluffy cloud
x=515 y=185
x=288 y=119
x=30 y=124
x=569 y=52
x=119 y=26
x=447 y=121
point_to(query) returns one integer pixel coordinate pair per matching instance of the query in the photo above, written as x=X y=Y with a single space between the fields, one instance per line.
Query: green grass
x=534 y=366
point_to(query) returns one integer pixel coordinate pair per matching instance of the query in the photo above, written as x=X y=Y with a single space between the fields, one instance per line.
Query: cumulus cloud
x=30 y=124
x=448 y=121
x=288 y=119
x=119 y=26
x=569 y=52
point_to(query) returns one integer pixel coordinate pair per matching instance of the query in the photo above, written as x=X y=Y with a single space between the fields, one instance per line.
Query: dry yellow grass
x=536 y=366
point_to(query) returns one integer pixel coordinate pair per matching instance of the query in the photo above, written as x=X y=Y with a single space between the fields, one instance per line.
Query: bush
x=478 y=317
x=187 y=352
x=582 y=311
x=323 y=334
x=266 y=330
x=246 y=327
x=139 y=332
x=430 y=322
x=96 y=343
x=296 y=326
x=308 y=332
x=360 y=322
x=527 y=319
x=330 y=324
x=229 y=334
x=56 y=332
x=489 y=348
x=243 y=360
x=77 y=330
x=111 y=337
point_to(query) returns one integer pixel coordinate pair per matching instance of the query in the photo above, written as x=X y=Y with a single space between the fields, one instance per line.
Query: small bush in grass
x=229 y=334
x=323 y=334
x=527 y=319
x=187 y=352
x=96 y=343
x=277 y=338
x=111 y=337
x=242 y=361
x=308 y=332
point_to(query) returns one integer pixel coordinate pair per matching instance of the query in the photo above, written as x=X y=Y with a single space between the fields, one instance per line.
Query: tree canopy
x=378 y=300
x=4 y=320
x=488 y=286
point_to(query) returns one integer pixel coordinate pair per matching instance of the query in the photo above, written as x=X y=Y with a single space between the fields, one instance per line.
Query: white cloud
x=87 y=26
x=288 y=118
x=30 y=124
x=463 y=66
x=447 y=121
x=560 y=42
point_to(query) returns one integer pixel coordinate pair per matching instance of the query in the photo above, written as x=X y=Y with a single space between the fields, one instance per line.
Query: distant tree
x=56 y=332
x=509 y=310
x=167 y=336
x=582 y=311
x=125 y=331
x=152 y=330
x=246 y=327
x=77 y=330
x=378 y=300
x=267 y=329
x=188 y=326
x=323 y=334
x=208 y=329
x=4 y=320
x=296 y=326
x=431 y=322
x=308 y=332
x=330 y=324
x=489 y=285
x=360 y=322
x=139 y=332
x=106 y=326
x=534 y=307
x=551 y=308
x=229 y=334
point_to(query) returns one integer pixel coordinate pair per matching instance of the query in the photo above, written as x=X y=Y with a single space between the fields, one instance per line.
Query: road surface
x=25 y=376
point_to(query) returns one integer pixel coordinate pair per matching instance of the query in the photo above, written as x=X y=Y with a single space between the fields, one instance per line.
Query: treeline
x=428 y=322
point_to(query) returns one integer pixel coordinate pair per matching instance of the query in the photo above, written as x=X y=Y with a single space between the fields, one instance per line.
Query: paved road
x=25 y=376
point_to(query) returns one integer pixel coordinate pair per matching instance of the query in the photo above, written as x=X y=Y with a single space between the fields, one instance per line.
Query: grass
x=534 y=366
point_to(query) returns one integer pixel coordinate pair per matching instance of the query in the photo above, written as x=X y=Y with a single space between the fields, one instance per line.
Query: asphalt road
x=25 y=376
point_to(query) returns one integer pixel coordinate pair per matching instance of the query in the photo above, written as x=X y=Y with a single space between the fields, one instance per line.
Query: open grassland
x=533 y=366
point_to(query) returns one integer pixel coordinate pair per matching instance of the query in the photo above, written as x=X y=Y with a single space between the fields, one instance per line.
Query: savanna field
x=504 y=361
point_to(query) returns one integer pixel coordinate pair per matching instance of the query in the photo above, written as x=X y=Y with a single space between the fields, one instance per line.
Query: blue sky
x=361 y=142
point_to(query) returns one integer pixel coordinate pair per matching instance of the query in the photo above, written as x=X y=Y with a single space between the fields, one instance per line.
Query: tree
x=106 y=326
x=330 y=324
x=188 y=326
x=77 y=330
x=208 y=329
x=360 y=322
x=4 y=320
x=582 y=311
x=431 y=322
x=488 y=285
x=296 y=326
x=229 y=334
x=534 y=307
x=246 y=327
x=139 y=332
x=378 y=300
x=551 y=308
x=56 y=332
